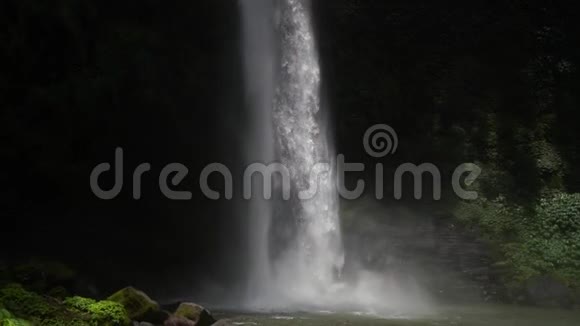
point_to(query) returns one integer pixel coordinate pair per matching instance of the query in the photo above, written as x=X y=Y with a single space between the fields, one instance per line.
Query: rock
x=139 y=306
x=43 y=310
x=196 y=313
x=143 y=323
x=178 y=321
x=99 y=312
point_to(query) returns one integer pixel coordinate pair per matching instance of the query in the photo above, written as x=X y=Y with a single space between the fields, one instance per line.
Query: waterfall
x=282 y=76
x=302 y=144
x=259 y=60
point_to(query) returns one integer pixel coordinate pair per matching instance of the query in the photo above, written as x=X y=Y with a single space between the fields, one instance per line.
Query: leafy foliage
x=541 y=241
x=14 y=322
x=497 y=219
x=550 y=240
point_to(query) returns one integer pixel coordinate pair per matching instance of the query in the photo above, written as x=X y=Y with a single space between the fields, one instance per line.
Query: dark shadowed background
x=494 y=82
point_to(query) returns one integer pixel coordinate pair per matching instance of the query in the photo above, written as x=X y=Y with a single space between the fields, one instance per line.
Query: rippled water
x=488 y=315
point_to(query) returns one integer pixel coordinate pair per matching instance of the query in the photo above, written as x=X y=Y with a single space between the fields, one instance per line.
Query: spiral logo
x=381 y=140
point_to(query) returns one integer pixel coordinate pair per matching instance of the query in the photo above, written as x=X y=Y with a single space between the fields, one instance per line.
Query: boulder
x=179 y=321
x=143 y=323
x=196 y=313
x=139 y=306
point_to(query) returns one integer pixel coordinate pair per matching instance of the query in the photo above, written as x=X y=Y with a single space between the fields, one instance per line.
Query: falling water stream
x=296 y=251
x=259 y=61
x=283 y=87
x=317 y=257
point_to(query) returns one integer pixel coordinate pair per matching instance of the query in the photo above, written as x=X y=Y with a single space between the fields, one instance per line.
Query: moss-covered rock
x=24 y=303
x=38 y=309
x=47 y=311
x=196 y=313
x=139 y=306
x=100 y=312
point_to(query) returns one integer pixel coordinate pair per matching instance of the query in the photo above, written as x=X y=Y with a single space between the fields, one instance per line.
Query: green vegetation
x=47 y=311
x=543 y=240
x=24 y=303
x=101 y=312
x=14 y=322
x=549 y=241
x=41 y=276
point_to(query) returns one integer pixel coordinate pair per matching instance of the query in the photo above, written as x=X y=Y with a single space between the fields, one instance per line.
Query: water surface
x=484 y=315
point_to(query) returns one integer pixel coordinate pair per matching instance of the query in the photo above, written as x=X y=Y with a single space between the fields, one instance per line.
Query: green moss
x=101 y=312
x=189 y=311
x=137 y=304
x=195 y=313
x=79 y=303
x=24 y=303
x=46 y=311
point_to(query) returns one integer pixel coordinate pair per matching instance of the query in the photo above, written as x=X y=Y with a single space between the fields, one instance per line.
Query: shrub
x=544 y=240
x=550 y=240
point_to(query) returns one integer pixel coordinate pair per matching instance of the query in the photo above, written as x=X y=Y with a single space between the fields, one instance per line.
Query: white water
x=259 y=60
x=299 y=268
x=283 y=87
x=316 y=258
